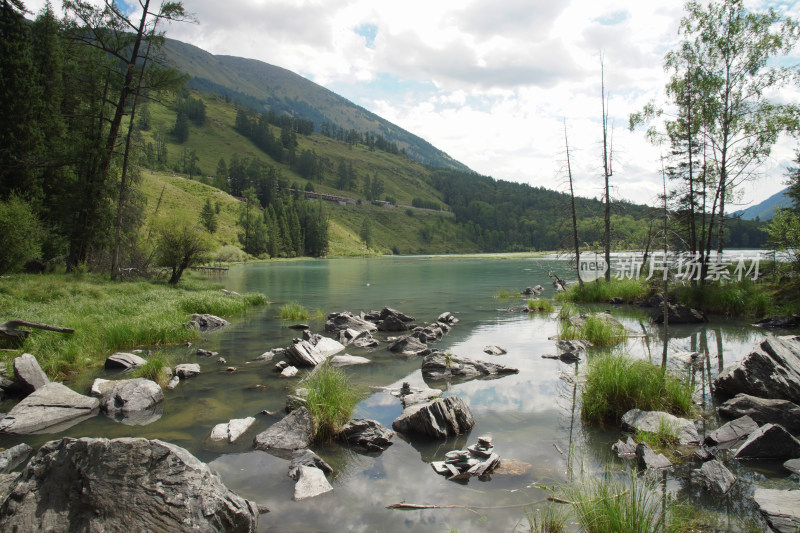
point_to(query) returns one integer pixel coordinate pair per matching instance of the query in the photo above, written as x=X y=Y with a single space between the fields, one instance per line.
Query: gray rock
x=76 y=485
x=703 y=454
x=345 y=320
x=298 y=326
x=625 y=448
x=573 y=345
x=360 y=339
x=206 y=322
x=327 y=346
x=715 y=477
x=232 y=430
x=494 y=350
x=303 y=353
x=647 y=459
x=779 y=322
x=392 y=324
x=124 y=361
x=49 y=409
x=387 y=312
x=294 y=432
x=206 y=353
x=187 y=370
x=731 y=433
x=174 y=382
x=681 y=314
x=29 y=374
x=419 y=395
x=367 y=434
x=280 y=366
x=288 y=372
x=565 y=357
x=266 y=356
x=137 y=400
x=438 y=419
x=770 y=441
x=651 y=421
x=100 y=386
x=772 y=370
x=409 y=346
x=780 y=508
x=346 y=360
x=792 y=465
x=428 y=334
x=435 y=366
x=447 y=318
x=311 y=482
x=13 y=457
x=763 y=411
x=307 y=458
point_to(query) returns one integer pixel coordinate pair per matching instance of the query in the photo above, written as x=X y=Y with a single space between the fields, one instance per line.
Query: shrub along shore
x=107 y=316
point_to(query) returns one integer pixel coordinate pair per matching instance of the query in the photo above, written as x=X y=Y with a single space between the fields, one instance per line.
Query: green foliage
x=179 y=246
x=549 y=519
x=541 y=305
x=567 y=311
x=664 y=440
x=503 y=294
x=601 y=291
x=208 y=217
x=784 y=232
x=157 y=368
x=330 y=398
x=596 y=329
x=294 y=311
x=616 y=383
x=603 y=504
x=741 y=298
x=366 y=232
x=107 y=316
x=22 y=234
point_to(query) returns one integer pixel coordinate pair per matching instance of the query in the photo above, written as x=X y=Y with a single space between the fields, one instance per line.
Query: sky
x=490 y=82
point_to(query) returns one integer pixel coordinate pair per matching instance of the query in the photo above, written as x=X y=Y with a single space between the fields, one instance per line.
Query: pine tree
x=208 y=218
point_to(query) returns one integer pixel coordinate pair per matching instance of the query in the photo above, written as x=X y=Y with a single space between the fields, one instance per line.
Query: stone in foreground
x=437 y=420
x=187 y=370
x=769 y=442
x=122 y=485
x=29 y=374
x=715 y=477
x=652 y=421
x=130 y=396
x=52 y=408
x=780 y=508
x=232 y=430
x=310 y=482
x=292 y=432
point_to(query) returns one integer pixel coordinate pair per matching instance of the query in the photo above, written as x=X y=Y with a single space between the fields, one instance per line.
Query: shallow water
x=532 y=416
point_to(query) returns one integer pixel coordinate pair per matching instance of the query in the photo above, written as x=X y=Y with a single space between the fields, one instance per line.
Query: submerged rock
x=652 y=421
x=438 y=419
x=763 y=411
x=311 y=482
x=440 y=366
x=307 y=458
x=206 y=322
x=49 y=409
x=77 y=485
x=494 y=350
x=477 y=460
x=367 y=434
x=293 y=432
x=715 y=477
x=780 y=508
x=346 y=360
x=304 y=353
x=681 y=314
x=779 y=322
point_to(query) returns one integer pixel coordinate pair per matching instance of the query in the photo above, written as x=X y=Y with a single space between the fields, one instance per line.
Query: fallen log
x=9 y=330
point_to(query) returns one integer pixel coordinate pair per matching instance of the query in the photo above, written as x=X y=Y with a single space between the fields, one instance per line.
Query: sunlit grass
x=540 y=305
x=595 y=329
x=330 y=398
x=601 y=291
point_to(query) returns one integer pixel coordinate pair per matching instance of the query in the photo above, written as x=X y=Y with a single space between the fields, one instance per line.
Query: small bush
x=330 y=398
x=541 y=305
x=293 y=311
x=230 y=254
x=617 y=383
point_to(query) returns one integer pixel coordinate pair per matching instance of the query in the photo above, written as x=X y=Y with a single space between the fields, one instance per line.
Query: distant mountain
x=766 y=209
x=265 y=87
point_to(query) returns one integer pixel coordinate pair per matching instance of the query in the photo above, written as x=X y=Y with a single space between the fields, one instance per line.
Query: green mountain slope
x=266 y=87
x=766 y=209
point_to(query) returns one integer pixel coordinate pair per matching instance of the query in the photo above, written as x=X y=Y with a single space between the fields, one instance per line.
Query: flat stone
x=187 y=370
x=494 y=350
x=49 y=409
x=763 y=411
x=100 y=386
x=346 y=320
x=440 y=468
x=703 y=454
x=174 y=382
x=715 y=477
x=293 y=432
x=731 y=433
x=770 y=441
x=436 y=366
x=780 y=508
x=792 y=465
x=647 y=459
x=289 y=372
x=307 y=458
x=29 y=374
x=206 y=353
x=232 y=430
x=13 y=457
x=346 y=360
x=124 y=361
x=409 y=346
x=311 y=482
x=652 y=421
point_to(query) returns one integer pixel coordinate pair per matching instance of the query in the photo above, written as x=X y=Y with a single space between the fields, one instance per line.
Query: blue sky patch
x=384 y=87
x=613 y=18
x=368 y=32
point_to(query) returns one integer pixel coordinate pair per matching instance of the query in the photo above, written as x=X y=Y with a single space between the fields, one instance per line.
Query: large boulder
x=123 y=484
x=136 y=401
x=731 y=433
x=409 y=346
x=780 y=508
x=438 y=419
x=29 y=374
x=769 y=442
x=763 y=411
x=771 y=370
x=50 y=409
x=653 y=421
x=392 y=323
x=366 y=434
x=124 y=361
x=206 y=322
x=438 y=366
x=346 y=320
x=293 y=432
x=715 y=477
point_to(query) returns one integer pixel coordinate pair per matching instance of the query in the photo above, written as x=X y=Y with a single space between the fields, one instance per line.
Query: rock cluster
x=440 y=366
x=438 y=419
x=477 y=460
x=206 y=322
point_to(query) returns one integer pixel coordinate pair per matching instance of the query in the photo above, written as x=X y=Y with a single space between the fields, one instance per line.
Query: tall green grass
x=540 y=305
x=601 y=291
x=157 y=368
x=107 y=316
x=595 y=329
x=330 y=398
x=617 y=383
x=742 y=298
x=294 y=311
x=548 y=519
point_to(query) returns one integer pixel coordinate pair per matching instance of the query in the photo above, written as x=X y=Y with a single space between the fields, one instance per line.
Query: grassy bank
x=601 y=291
x=107 y=316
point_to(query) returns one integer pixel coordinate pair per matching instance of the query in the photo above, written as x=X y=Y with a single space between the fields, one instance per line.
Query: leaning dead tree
x=10 y=331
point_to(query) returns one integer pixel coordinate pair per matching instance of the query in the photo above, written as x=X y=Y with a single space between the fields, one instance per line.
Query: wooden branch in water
x=403 y=506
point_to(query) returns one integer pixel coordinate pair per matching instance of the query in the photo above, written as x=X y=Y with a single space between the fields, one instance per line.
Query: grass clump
x=540 y=305
x=294 y=311
x=597 y=329
x=617 y=505
x=330 y=398
x=546 y=520
x=157 y=368
x=567 y=311
x=601 y=291
x=663 y=440
x=503 y=294
x=617 y=383
x=742 y=298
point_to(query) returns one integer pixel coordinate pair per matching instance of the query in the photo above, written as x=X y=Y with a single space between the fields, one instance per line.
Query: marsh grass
x=549 y=519
x=616 y=383
x=742 y=298
x=567 y=311
x=107 y=316
x=610 y=504
x=294 y=311
x=601 y=291
x=503 y=294
x=540 y=305
x=330 y=398
x=156 y=368
x=595 y=329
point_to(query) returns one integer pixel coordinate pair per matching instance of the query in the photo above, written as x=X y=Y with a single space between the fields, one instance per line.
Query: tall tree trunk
x=574 y=215
x=607 y=173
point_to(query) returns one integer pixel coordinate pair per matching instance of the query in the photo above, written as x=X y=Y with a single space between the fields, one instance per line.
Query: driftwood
x=403 y=506
x=9 y=331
